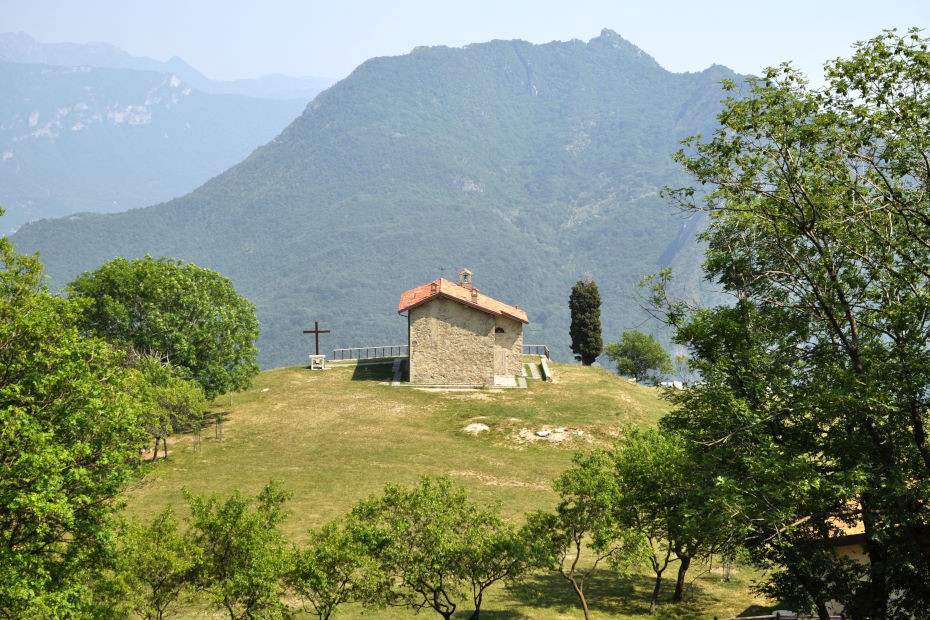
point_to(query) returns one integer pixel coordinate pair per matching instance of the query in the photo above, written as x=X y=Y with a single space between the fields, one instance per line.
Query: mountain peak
x=610 y=38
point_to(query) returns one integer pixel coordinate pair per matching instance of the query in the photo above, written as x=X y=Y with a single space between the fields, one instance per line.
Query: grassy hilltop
x=338 y=435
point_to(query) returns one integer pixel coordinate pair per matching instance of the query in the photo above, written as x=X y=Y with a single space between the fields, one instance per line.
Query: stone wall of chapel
x=451 y=343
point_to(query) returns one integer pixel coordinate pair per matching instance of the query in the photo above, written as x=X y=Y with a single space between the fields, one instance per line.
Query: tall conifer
x=585 y=306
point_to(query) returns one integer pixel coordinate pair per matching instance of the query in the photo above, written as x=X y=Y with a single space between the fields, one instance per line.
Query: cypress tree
x=585 y=306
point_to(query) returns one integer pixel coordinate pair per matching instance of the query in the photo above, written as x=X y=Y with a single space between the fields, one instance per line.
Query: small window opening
x=498 y=330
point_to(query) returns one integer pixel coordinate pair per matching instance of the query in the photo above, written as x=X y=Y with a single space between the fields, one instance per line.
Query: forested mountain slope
x=532 y=165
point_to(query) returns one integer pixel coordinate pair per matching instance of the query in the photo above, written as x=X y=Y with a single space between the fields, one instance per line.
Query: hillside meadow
x=339 y=435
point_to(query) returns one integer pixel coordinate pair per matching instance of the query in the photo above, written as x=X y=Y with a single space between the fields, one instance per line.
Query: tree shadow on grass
x=493 y=614
x=759 y=610
x=606 y=593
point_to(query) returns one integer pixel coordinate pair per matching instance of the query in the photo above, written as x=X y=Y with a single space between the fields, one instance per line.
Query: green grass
x=338 y=435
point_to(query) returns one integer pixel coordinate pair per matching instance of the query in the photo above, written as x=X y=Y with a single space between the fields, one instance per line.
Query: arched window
x=498 y=330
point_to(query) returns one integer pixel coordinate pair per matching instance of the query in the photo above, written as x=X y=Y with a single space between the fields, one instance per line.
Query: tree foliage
x=333 y=568
x=669 y=495
x=816 y=387
x=169 y=403
x=584 y=303
x=69 y=439
x=190 y=316
x=637 y=354
x=154 y=564
x=433 y=545
x=244 y=558
x=585 y=519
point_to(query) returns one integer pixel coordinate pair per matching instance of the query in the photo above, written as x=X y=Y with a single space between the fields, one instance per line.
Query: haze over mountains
x=532 y=165
x=19 y=47
x=95 y=129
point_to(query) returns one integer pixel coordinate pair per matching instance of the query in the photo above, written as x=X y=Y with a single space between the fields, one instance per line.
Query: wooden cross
x=316 y=331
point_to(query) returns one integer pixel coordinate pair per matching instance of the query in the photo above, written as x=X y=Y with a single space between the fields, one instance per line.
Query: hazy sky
x=228 y=39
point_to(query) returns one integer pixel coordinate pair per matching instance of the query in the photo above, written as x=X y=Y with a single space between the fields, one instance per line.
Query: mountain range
x=531 y=165
x=76 y=139
x=19 y=47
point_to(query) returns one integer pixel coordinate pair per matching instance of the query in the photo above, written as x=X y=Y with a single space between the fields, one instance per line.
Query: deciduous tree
x=244 y=557
x=169 y=403
x=669 y=495
x=333 y=568
x=433 y=544
x=586 y=518
x=637 y=354
x=69 y=440
x=154 y=564
x=817 y=380
x=190 y=316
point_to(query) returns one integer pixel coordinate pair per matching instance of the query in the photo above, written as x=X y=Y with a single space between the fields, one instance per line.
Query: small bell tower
x=465 y=279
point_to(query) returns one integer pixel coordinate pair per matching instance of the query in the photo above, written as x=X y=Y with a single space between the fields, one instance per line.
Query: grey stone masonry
x=452 y=343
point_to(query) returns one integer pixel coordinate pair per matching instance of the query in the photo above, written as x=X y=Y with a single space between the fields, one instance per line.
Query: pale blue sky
x=228 y=39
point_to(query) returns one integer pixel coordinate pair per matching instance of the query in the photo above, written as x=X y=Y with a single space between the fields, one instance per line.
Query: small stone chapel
x=459 y=336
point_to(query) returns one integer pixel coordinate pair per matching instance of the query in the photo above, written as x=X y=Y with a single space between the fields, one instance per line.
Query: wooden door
x=500 y=361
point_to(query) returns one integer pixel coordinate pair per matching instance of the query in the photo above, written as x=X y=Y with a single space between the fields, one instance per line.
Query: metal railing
x=364 y=353
x=403 y=350
x=536 y=349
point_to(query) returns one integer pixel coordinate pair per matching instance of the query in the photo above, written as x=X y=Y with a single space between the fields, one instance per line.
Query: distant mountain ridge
x=78 y=139
x=19 y=47
x=532 y=165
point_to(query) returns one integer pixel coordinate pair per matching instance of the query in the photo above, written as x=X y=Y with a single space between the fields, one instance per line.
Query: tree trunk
x=655 y=593
x=658 y=569
x=877 y=598
x=228 y=605
x=822 y=613
x=155 y=453
x=477 y=599
x=584 y=603
x=680 y=584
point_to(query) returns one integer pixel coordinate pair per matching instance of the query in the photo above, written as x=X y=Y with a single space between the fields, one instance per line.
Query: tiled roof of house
x=450 y=290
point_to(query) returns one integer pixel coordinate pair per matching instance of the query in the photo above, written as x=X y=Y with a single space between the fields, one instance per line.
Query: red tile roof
x=450 y=290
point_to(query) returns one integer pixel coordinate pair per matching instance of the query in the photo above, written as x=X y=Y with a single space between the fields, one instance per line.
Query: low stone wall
x=544 y=364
